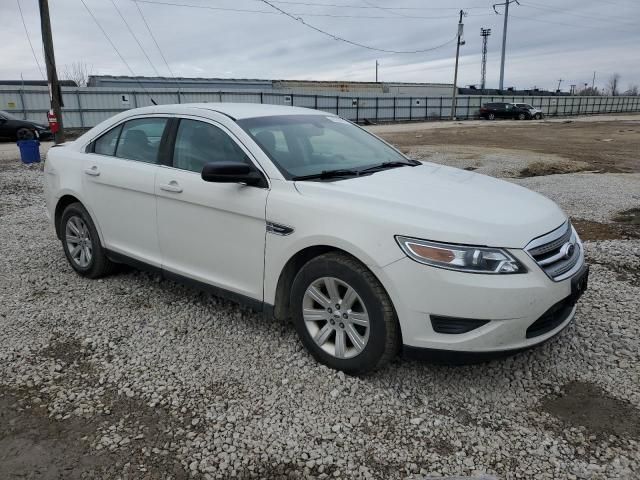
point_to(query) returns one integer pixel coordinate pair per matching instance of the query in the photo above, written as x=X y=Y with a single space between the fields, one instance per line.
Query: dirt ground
x=606 y=144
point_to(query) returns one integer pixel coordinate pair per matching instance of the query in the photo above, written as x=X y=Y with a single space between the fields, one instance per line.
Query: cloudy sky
x=548 y=39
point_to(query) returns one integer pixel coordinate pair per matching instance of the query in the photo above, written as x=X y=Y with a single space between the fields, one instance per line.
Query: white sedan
x=306 y=216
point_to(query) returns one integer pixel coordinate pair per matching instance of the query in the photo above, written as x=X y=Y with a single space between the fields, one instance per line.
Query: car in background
x=14 y=129
x=494 y=110
x=307 y=217
x=536 y=113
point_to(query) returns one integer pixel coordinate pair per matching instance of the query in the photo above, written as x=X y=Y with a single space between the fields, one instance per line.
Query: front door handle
x=93 y=171
x=172 y=187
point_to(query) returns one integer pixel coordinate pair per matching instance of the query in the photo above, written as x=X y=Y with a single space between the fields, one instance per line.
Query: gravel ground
x=136 y=377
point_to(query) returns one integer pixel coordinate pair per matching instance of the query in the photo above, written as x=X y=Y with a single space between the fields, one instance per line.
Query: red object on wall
x=53 y=121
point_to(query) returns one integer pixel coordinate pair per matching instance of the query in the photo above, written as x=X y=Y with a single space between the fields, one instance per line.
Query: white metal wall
x=86 y=107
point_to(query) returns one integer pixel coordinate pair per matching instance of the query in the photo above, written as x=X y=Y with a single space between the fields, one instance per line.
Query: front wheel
x=343 y=315
x=522 y=116
x=81 y=243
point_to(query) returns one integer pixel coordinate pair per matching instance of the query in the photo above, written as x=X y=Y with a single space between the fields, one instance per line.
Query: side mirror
x=231 y=172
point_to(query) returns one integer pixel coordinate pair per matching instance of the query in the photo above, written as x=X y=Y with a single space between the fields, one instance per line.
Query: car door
x=119 y=182
x=210 y=232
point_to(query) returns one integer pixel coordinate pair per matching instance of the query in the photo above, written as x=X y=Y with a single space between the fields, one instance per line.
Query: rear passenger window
x=106 y=144
x=199 y=143
x=140 y=139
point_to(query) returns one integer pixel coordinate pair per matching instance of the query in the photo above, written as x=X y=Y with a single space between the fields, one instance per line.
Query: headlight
x=460 y=257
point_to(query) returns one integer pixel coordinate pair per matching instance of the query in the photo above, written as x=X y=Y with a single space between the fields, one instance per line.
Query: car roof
x=237 y=111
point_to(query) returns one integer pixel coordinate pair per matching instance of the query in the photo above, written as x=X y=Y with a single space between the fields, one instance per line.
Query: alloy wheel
x=336 y=317
x=78 y=241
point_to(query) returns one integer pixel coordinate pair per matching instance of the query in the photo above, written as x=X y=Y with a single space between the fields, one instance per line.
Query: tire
x=538 y=116
x=491 y=116
x=24 y=134
x=78 y=231
x=337 y=277
x=522 y=116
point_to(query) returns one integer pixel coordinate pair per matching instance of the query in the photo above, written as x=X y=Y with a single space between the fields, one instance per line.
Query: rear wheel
x=24 y=134
x=522 y=116
x=81 y=243
x=343 y=315
x=491 y=116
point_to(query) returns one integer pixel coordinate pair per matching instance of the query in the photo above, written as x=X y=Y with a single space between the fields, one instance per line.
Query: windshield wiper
x=341 y=172
x=387 y=165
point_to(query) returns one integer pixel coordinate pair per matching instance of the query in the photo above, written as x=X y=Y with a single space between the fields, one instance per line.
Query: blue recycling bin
x=29 y=151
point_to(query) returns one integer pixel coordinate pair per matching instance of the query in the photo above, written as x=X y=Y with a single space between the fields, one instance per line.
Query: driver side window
x=199 y=143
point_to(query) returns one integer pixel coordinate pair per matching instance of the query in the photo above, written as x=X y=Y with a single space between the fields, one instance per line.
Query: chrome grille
x=558 y=253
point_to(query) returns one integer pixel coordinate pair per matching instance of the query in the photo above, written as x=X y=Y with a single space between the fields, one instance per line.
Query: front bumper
x=510 y=303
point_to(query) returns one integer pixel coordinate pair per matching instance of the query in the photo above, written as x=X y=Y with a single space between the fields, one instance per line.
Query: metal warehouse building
x=275 y=86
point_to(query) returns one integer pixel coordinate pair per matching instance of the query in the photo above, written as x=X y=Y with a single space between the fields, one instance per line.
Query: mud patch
x=584 y=404
x=629 y=217
x=34 y=446
x=539 y=169
x=124 y=437
x=593 y=231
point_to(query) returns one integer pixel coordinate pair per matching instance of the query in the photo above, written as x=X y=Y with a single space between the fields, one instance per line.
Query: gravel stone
x=145 y=378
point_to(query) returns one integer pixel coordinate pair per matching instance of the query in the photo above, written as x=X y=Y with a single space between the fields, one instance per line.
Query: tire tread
x=393 y=340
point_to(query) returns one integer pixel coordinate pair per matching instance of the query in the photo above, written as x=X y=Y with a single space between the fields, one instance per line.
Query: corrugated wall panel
x=97 y=104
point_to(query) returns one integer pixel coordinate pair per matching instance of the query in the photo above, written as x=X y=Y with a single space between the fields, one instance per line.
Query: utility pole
x=55 y=94
x=504 y=35
x=455 y=75
x=559 y=83
x=377 y=70
x=593 y=82
x=484 y=33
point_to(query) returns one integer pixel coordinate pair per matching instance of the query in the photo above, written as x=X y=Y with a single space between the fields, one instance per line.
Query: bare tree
x=590 y=92
x=78 y=72
x=614 y=82
x=633 y=91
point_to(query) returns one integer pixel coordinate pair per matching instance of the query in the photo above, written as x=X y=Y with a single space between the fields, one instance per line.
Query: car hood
x=442 y=203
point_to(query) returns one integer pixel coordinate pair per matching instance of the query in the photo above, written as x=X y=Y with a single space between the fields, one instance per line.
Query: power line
x=386 y=9
x=115 y=49
x=135 y=38
x=551 y=22
x=602 y=18
x=33 y=52
x=302 y=14
x=351 y=42
x=154 y=39
x=370 y=6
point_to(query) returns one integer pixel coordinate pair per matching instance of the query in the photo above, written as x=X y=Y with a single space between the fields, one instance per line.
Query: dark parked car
x=491 y=111
x=535 y=112
x=13 y=128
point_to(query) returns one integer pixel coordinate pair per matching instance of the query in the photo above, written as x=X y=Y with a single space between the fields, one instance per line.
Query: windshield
x=302 y=145
x=8 y=116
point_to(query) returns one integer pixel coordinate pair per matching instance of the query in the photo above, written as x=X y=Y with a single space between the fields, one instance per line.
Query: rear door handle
x=172 y=187
x=93 y=171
